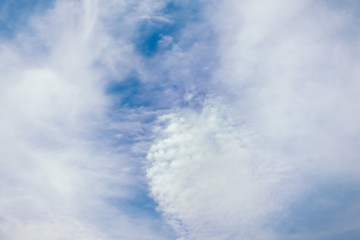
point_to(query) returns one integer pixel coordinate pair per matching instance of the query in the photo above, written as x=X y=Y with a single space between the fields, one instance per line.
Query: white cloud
x=209 y=172
x=58 y=176
x=265 y=122
x=287 y=75
x=297 y=80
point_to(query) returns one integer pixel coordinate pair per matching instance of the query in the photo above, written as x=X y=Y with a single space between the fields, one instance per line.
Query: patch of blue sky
x=134 y=92
x=14 y=15
x=136 y=104
x=324 y=213
x=158 y=34
x=142 y=206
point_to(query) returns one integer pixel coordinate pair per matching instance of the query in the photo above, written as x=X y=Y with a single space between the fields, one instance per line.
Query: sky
x=179 y=120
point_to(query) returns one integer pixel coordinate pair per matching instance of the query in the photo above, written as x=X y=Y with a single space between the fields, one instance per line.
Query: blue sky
x=186 y=120
x=16 y=14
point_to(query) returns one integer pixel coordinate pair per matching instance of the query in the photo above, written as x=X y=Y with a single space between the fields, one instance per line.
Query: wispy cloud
x=60 y=178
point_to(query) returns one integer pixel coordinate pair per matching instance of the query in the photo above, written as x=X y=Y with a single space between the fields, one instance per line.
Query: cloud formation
x=231 y=119
x=286 y=74
x=60 y=177
x=208 y=171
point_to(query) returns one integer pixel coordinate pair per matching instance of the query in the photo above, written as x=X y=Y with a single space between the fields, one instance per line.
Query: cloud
x=240 y=118
x=297 y=78
x=285 y=74
x=61 y=177
x=212 y=179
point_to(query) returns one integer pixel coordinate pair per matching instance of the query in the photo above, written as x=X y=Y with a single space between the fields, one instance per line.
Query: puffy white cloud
x=212 y=177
